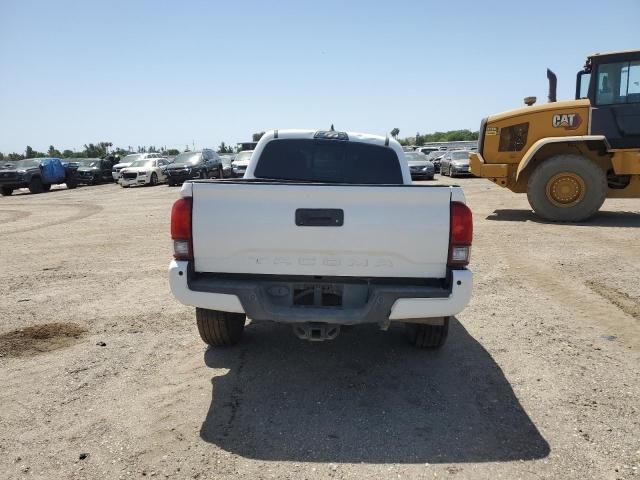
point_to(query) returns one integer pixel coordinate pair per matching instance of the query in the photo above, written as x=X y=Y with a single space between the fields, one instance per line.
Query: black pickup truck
x=36 y=174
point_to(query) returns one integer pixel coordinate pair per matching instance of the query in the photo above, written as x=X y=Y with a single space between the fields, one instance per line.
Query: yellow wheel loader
x=569 y=156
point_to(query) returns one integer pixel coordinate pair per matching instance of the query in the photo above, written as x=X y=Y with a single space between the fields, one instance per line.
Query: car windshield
x=415 y=156
x=460 y=155
x=329 y=161
x=187 y=157
x=131 y=158
x=243 y=156
x=143 y=163
x=88 y=162
x=26 y=163
x=226 y=160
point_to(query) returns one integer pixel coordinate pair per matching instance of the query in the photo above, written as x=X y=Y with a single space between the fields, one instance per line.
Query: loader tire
x=427 y=336
x=220 y=329
x=567 y=188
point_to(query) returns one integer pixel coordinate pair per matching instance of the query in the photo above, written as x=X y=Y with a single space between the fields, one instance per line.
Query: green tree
x=395 y=132
x=67 y=153
x=98 y=150
x=173 y=152
x=29 y=152
x=52 y=152
x=1 y=156
x=222 y=148
x=257 y=136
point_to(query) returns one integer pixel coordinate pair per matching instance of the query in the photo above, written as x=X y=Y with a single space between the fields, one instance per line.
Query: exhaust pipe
x=553 y=84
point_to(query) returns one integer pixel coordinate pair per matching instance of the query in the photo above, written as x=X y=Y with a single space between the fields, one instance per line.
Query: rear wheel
x=427 y=336
x=6 y=191
x=36 y=186
x=567 y=188
x=220 y=329
x=46 y=187
x=220 y=172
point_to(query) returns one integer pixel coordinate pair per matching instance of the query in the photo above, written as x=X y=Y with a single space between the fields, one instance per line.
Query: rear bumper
x=383 y=304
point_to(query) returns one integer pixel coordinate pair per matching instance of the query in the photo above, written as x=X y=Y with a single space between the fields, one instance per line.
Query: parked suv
x=93 y=170
x=199 y=164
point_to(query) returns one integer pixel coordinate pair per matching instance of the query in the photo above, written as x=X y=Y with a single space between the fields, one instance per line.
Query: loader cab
x=611 y=82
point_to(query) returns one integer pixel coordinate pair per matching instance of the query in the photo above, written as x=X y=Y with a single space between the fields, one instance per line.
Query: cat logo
x=568 y=121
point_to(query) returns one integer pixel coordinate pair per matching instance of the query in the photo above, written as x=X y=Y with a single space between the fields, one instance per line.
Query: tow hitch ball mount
x=316 y=332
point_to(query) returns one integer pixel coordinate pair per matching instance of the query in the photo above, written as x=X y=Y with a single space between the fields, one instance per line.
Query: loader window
x=618 y=83
x=584 y=85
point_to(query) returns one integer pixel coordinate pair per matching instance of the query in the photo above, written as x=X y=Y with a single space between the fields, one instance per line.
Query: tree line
x=101 y=150
x=449 y=136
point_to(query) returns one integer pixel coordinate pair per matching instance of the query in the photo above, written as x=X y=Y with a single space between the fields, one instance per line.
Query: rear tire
x=36 y=186
x=567 y=188
x=6 y=191
x=220 y=329
x=46 y=187
x=427 y=336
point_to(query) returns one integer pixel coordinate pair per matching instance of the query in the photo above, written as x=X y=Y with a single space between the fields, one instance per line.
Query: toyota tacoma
x=324 y=230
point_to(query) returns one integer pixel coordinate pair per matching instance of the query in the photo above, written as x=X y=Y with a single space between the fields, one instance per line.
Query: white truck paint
x=394 y=242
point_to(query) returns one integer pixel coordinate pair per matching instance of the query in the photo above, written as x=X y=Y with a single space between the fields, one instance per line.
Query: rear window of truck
x=328 y=161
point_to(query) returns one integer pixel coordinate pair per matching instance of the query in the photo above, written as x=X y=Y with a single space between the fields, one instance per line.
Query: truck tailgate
x=321 y=229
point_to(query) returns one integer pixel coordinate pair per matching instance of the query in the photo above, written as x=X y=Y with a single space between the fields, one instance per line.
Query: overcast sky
x=169 y=73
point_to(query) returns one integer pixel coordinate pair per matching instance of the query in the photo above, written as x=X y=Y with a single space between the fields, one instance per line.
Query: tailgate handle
x=319 y=217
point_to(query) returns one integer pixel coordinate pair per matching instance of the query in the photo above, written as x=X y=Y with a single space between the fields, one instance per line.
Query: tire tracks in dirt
x=83 y=211
x=7 y=216
x=576 y=296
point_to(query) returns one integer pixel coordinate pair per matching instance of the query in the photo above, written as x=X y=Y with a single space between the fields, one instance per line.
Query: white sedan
x=143 y=172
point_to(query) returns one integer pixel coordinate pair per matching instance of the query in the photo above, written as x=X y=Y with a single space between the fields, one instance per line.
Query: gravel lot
x=539 y=378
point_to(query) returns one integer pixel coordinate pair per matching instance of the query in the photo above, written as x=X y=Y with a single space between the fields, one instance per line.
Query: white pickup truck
x=324 y=230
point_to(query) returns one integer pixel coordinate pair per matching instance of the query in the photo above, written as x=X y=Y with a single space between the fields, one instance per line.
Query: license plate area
x=317 y=295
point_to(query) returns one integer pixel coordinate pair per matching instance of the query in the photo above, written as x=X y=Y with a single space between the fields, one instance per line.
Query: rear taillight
x=460 y=235
x=181 y=229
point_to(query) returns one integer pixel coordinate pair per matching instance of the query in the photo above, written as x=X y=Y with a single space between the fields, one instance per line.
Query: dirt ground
x=539 y=378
